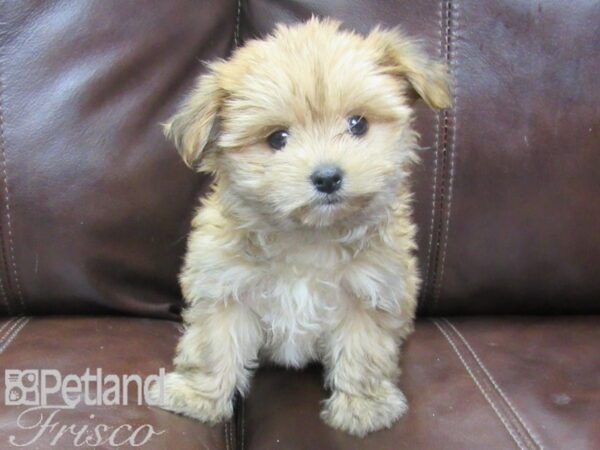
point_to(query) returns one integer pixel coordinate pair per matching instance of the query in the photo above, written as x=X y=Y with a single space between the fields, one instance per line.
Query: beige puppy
x=304 y=250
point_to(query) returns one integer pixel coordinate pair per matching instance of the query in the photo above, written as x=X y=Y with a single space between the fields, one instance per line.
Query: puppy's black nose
x=327 y=178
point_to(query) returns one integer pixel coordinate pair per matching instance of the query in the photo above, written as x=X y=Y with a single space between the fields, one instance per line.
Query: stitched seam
x=526 y=439
x=226 y=430
x=445 y=130
x=479 y=386
x=436 y=145
x=3 y=293
x=14 y=335
x=433 y=209
x=504 y=420
x=3 y=251
x=236 y=33
x=243 y=413
x=449 y=150
x=5 y=325
x=7 y=200
x=233 y=433
x=2 y=290
x=532 y=436
x=12 y=327
x=440 y=208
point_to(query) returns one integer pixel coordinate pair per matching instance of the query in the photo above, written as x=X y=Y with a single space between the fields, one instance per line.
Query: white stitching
x=481 y=389
x=11 y=255
x=521 y=428
x=233 y=433
x=243 y=413
x=436 y=145
x=14 y=335
x=433 y=199
x=12 y=327
x=10 y=319
x=236 y=34
x=532 y=435
x=4 y=297
x=226 y=429
x=451 y=49
x=522 y=432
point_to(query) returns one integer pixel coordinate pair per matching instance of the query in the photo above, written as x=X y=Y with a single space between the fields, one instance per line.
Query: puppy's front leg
x=215 y=356
x=362 y=367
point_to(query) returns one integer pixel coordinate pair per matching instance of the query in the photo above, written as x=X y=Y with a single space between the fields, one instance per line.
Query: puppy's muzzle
x=327 y=178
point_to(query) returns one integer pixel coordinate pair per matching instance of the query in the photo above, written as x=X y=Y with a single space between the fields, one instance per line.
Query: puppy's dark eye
x=357 y=125
x=278 y=139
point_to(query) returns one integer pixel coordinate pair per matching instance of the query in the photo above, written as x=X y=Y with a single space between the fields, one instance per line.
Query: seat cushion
x=501 y=383
x=116 y=345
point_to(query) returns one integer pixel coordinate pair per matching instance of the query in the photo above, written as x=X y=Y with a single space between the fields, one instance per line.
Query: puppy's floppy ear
x=193 y=127
x=404 y=57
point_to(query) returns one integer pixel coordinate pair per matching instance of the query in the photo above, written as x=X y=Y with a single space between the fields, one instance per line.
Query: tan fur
x=271 y=271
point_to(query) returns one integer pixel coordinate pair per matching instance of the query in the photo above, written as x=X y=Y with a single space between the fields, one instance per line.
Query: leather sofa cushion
x=121 y=346
x=476 y=383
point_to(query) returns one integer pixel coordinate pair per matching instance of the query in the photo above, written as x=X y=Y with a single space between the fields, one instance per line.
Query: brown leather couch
x=95 y=206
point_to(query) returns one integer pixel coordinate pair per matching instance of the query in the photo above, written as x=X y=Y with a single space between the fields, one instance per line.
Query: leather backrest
x=508 y=197
x=95 y=203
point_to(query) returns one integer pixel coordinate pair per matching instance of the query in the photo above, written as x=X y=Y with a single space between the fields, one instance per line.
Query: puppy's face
x=312 y=126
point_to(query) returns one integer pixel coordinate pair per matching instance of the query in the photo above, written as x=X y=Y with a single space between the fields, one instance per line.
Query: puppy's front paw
x=360 y=415
x=182 y=393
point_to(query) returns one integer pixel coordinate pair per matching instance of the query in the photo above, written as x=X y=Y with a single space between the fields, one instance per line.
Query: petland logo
x=47 y=393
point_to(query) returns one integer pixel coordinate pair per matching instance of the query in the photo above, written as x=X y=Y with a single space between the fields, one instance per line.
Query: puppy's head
x=310 y=127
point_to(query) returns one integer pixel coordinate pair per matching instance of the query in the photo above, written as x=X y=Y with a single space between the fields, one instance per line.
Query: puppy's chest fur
x=300 y=284
x=300 y=295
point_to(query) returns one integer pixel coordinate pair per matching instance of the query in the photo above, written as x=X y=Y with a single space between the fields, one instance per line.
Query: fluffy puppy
x=304 y=249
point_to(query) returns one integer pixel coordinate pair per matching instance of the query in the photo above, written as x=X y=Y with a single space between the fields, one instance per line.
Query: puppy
x=304 y=249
